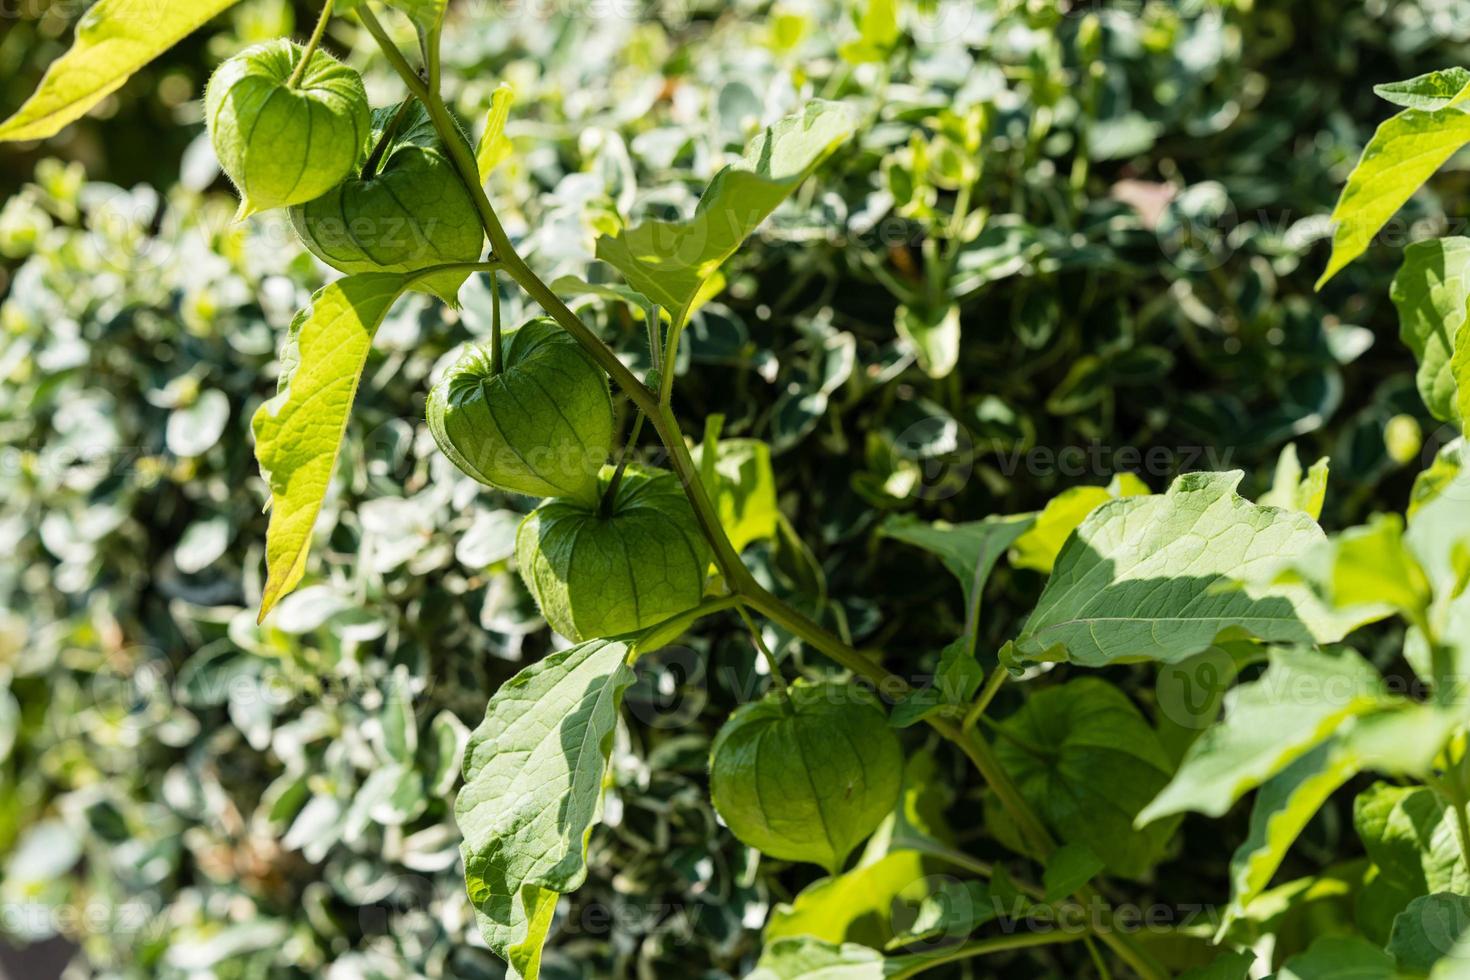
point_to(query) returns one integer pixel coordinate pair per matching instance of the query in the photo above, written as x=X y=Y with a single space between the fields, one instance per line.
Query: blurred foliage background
x=1071 y=240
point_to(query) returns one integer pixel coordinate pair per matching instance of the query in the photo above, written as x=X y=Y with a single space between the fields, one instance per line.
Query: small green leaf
x=670 y=261
x=494 y=146
x=1430 y=292
x=1368 y=570
x=1291 y=490
x=533 y=775
x=934 y=336
x=968 y=550
x=1088 y=761
x=1158 y=578
x=1411 y=838
x=299 y=431
x=1039 y=546
x=857 y=906
x=114 y=38
x=427 y=15
x=1068 y=869
x=1430 y=91
x=1403 y=153
x=742 y=486
x=877 y=23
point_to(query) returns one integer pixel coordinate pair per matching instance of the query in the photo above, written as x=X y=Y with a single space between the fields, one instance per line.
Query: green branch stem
x=980 y=947
x=737 y=577
x=311 y=44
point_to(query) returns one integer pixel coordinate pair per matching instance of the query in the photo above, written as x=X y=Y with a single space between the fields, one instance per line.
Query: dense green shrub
x=1063 y=245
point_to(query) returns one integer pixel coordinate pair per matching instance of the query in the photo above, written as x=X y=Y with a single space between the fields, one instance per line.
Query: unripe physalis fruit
x=614 y=566
x=806 y=774
x=283 y=144
x=543 y=426
x=406 y=209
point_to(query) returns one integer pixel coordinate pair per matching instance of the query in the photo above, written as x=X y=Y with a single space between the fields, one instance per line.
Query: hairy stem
x=311 y=44
x=497 y=356
x=611 y=493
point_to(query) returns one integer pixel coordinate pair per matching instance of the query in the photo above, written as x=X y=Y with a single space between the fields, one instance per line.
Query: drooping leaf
x=857 y=906
x=533 y=785
x=1161 y=577
x=1088 y=761
x=1430 y=91
x=1303 y=696
x=670 y=261
x=1039 y=546
x=1403 y=153
x=494 y=146
x=114 y=38
x=1286 y=802
x=1292 y=490
x=1430 y=292
x=299 y=431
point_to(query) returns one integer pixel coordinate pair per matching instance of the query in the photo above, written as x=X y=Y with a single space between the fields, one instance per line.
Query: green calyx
x=406 y=210
x=283 y=145
x=543 y=426
x=806 y=774
x=597 y=574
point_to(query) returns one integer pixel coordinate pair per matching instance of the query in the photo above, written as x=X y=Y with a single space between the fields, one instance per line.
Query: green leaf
x=533 y=774
x=1403 y=153
x=968 y=550
x=427 y=15
x=670 y=261
x=1430 y=292
x=1228 y=966
x=857 y=906
x=1282 y=810
x=1439 y=537
x=952 y=911
x=877 y=23
x=1340 y=958
x=1068 y=869
x=804 y=958
x=742 y=486
x=1303 y=696
x=1411 y=838
x=1088 y=761
x=1155 y=578
x=494 y=146
x=1430 y=928
x=1291 y=490
x=1432 y=90
x=1440 y=474
x=114 y=38
x=299 y=431
x=1039 y=546
x=1367 y=570
x=934 y=336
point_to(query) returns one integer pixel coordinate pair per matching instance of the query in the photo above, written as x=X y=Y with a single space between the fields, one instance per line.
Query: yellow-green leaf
x=672 y=262
x=113 y=39
x=298 y=432
x=1402 y=154
x=494 y=145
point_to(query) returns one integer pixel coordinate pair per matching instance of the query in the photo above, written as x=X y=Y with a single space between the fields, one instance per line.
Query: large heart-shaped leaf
x=1430 y=292
x=1160 y=577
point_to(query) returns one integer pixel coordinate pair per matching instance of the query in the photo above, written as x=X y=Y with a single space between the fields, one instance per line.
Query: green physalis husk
x=806 y=777
x=597 y=574
x=283 y=145
x=406 y=210
x=542 y=427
